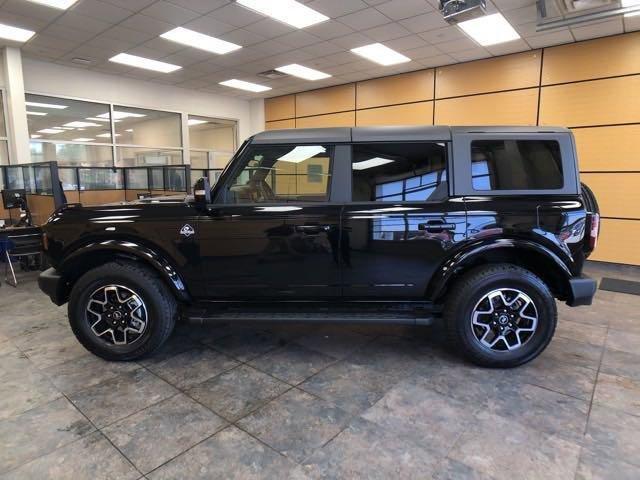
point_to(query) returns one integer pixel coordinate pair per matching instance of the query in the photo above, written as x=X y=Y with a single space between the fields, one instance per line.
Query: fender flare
x=448 y=269
x=141 y=252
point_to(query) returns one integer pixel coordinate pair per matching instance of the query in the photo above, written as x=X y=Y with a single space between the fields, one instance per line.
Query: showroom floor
x=302 y=401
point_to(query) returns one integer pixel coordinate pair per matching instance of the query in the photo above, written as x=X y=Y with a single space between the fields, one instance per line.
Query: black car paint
x=315 y=251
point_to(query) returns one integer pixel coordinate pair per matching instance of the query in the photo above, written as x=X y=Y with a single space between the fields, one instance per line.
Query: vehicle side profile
x=483 y=227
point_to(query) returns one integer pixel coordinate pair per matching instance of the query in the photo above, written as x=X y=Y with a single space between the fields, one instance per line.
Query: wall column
x=18 y=132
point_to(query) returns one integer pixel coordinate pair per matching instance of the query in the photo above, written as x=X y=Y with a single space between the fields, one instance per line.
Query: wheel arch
x=529 y=255
x=95 y=254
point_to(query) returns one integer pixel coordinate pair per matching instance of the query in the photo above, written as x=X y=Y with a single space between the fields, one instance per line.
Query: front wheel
x=500 y=315
x=121 y=311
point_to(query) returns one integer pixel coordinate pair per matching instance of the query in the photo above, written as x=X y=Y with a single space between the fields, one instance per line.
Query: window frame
x=448 y=168
x=462 y=180
x=338 y=157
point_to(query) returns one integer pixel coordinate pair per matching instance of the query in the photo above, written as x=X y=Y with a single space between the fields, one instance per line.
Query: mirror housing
x=202 y=193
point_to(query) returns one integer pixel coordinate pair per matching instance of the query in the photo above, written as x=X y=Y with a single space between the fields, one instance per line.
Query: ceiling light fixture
x=107 y=135
x=46 y=105
x=96 y=119
x=303 y=72
x=381 y=54
x=194 y=121
x=14 y=33
x=82 y=139
x=35 y=136
x=371 y=163
x=81 y=124
x=288 y=11
x=37 y=114
x=242 y=85
x=119 y=115
x=489 y=30
x=201 y=41
x=300 y=154
x=51 y=131
x=146 y=63
x=60 y=4
x=631 y=3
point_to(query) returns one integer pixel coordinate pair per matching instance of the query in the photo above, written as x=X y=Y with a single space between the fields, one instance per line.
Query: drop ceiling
x=96 y=30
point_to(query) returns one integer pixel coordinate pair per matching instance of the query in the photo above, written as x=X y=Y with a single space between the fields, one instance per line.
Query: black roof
x=385 y=134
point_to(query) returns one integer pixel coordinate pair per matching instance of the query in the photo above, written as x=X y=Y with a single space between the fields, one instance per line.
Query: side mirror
x=202 y=192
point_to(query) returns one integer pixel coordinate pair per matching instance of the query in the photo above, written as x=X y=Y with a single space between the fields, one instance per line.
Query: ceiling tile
x=472 y=54
x=337 y=8
x=298 y=39
x=102 y=11
x=269 y=28
x=209 y=26
x=406 y=43
x=22 y=21
x=399 y=9
x=386 y=32
x=440 y=35
x=200 y=6
x=609 y=27
x=75 y=21
x=147 y=24
x=170 y=13
x=458 y=45
x=506 y=5
x=242 y=37
x=30 y=10
x=163 y=46
x=508 y=47
x=352 y=41
x=424 y=22
x=422 y=52
x=322 y=48
x=522 y=15
x=367 y=18
x=236 y=15
x=128 y=35
x=62 y=31
x=133 y=5
x=551 y=38
x=272 y=47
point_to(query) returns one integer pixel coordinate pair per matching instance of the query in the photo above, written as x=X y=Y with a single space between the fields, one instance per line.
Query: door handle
x=436 y=226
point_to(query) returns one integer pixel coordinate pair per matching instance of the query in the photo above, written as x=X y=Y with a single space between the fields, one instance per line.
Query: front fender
x=127 y=248
x=472 y=252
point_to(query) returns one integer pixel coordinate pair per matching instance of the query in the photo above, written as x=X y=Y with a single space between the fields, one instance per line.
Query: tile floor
x=308 y=401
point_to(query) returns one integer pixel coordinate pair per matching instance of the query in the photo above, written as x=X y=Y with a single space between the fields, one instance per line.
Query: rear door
x=401 y=222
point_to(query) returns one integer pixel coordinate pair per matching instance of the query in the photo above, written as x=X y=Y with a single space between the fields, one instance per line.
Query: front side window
x=516 y=165
x=397 y=172
x=282 y=174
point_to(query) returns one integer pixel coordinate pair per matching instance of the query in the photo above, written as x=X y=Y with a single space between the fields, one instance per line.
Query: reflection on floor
x=301 y=401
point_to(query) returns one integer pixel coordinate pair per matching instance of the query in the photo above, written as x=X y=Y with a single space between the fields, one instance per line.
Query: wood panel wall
x=592 y=87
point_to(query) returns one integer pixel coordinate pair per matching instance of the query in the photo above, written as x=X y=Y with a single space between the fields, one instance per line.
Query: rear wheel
x=500 y=315
x=121 y=311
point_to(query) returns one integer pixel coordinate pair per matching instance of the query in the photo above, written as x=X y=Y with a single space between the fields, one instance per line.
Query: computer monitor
x=15 y=198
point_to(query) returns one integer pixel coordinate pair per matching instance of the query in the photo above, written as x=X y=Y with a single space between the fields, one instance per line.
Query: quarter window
x=399 y=172
x=516 y=165
x=282 y=174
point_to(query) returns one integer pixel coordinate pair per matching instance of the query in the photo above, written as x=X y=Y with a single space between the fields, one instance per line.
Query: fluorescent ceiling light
x=194 y=121
x=200 y=40
x=129 y=130
x=46 y=105
x=631 y=3
x=14 y=33
x=288 y=11
x=379 y=53
x=242 y=85
x=96 y=119
x=120 y=115
x=300 y=154
x=371 y=163
x=278 y=209
x=81 y=124
x=37 y=114
x=83 y=139
x=51 y=131
x=65 y=128
x=107 y=135
x=36 y=136
x=303 y=72
x=61 y=4
x=489 y=30
x=146 y=63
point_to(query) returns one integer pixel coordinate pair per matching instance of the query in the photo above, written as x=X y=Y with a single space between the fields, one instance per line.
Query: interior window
x=281 y=174
x=516 y=165
x=396 y=172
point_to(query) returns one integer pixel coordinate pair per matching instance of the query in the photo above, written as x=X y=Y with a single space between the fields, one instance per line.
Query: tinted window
x=516 y=165
x=281 y=174
x=396 y=172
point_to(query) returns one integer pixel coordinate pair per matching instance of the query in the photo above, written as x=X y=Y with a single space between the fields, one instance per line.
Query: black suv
x=482 y=227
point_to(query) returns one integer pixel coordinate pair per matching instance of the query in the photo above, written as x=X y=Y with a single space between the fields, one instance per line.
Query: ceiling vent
x=272 y=74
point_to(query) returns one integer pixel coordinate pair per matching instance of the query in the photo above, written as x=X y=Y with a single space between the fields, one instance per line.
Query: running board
x=397 y=318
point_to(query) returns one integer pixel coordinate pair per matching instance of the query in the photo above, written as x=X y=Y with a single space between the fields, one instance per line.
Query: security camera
x=455 y=11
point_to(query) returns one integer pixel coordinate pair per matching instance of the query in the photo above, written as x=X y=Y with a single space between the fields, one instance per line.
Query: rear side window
x=516 y=165
x=397 y=172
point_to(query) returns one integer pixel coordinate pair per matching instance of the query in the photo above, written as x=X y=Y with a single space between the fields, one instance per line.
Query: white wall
x=52 y=79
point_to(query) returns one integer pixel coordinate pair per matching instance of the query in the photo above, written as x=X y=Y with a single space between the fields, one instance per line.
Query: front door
x=272 y=232
x=401 y=223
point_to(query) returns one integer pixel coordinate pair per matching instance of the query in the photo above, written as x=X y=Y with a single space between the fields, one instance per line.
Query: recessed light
x=371 y=163
x=60 y=4
x=242 y=85
x=379 y=53
x=120 y=115
x=129 y=130
x=82 y=139
x=146 y=63
x=96 y=119
x=81 y=124
x=194 y=121
x=51 y=131
x=631 y=3
x=489 y=30
x=14 y=33
x=303 y=72
x=288 y=11
x=46 y=105
x=201 y=41
x=37 y=114
x=36 y=136
x=107 y=135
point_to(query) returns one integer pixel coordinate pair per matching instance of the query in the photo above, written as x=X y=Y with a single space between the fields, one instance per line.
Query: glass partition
x=100 y=178
x=140 y=157
x=147 y=128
